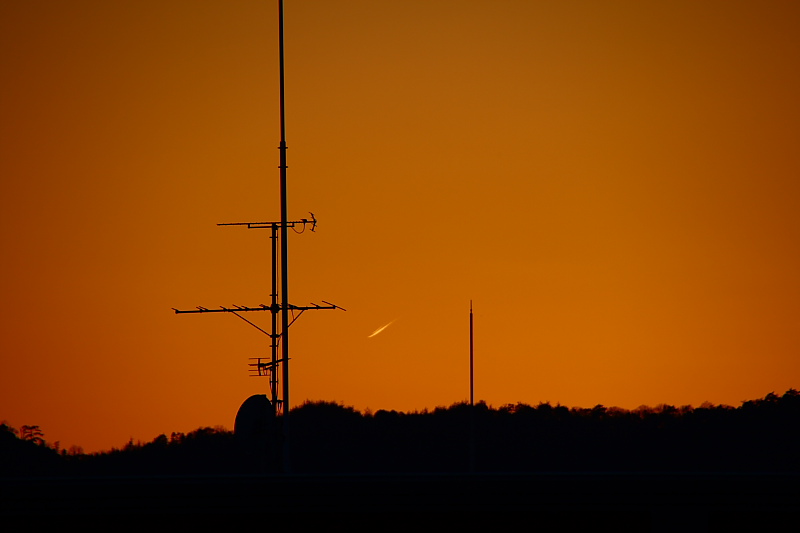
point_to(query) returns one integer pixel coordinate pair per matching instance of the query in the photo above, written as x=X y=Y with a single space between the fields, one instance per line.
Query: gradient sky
x=615 y=185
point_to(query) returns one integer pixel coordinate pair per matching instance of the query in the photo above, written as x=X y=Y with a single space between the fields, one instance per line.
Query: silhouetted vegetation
x=25 y=452
x=759 y=436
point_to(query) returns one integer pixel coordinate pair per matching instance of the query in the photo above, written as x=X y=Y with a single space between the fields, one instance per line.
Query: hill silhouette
x=761 y=435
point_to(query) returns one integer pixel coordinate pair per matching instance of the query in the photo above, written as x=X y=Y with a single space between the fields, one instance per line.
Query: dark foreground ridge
x=711 y=463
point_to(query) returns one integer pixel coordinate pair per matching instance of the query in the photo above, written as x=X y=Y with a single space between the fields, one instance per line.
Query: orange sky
x=614 y=184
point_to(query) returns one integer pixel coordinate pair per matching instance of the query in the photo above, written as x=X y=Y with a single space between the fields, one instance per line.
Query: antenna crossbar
x=262 y=307
x=275 y=225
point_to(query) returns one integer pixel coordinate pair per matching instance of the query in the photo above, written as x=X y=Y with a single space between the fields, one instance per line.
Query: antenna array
x=283 y=314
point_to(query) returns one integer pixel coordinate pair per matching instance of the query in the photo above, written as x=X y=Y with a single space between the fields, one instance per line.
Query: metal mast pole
x=274 y=311
x=284 y=247
x=471 y=394
x=471 y=360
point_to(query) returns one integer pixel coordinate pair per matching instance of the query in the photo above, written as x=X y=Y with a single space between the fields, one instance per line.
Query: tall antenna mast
x=284 y=249
x=284 y=226
x=284 y=314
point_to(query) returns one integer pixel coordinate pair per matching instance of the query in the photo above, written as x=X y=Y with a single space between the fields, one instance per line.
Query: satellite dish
x=254 y=427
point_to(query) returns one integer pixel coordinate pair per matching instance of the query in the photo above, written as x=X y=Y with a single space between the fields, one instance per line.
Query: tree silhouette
x=32 y=434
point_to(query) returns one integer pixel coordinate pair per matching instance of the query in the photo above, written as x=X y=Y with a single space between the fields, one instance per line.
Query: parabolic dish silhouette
x=255 y=422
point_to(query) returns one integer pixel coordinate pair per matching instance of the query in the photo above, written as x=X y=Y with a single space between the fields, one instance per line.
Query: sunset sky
x=614 y=184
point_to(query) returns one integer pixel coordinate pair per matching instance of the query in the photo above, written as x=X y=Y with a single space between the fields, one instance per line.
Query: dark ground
x=713 y=468
x=547 y=501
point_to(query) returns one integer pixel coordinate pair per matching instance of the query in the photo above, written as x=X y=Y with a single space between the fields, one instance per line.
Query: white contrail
x=381 y=329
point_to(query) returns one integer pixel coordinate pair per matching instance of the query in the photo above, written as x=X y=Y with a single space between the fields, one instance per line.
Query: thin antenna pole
x=274 y=309
x=471 y=358
x=471 y=392
x=284 y=251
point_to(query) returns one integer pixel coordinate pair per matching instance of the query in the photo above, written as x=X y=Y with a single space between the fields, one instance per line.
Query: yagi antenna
x=283 y=314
